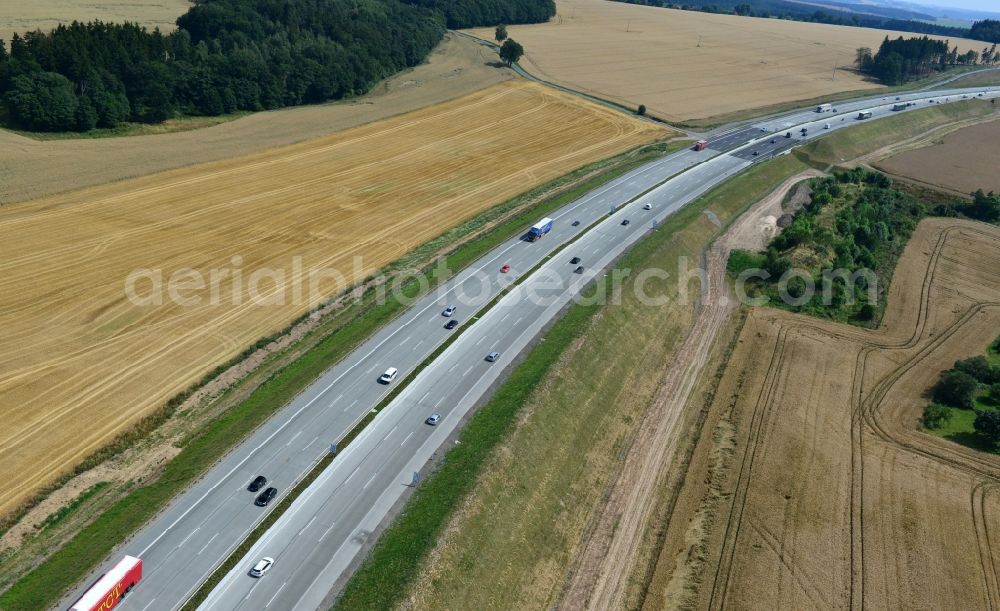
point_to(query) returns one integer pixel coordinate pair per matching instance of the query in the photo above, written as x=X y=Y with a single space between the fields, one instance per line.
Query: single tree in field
x=501 y=33
x=511 y=51
x=863 y=57
x=641 y=110
x=987 y=424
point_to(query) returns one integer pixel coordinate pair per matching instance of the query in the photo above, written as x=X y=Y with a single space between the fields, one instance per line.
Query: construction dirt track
x=80 y=362
x=835 y=498
x=685 y=65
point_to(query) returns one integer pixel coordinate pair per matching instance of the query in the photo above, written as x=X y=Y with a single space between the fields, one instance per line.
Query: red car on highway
x=505 y=268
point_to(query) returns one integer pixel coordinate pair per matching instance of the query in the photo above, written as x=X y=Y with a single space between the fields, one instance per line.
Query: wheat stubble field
x=962 y=161
x=686 y=65
x=33 y=15
x=834 y=496
x=80 y=362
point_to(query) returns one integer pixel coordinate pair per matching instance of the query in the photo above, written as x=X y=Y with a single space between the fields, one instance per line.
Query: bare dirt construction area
x=961 y=162
x=81 y=360
x=813 y=482
x=44 y=15
x=686 y=65
x=32 y=168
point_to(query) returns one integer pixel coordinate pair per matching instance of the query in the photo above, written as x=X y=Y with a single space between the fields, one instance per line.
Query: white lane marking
x=303 y=529
x=149 y=604
x=326 y=532
x=519 y=321
x=406 y=339
x=350 y=476
x=468 y=370
x=370 y=369
x=480 y=340
x=294 y=437
x=351 y=405
x=390 y=432
x=275 y=595
x=314 y=440
x=505 y=316
x=407 y=437
x=453 y=368
x=207 y=544
x=339 y=397
x=181 y=544
x=365 y=487
x=424 y=397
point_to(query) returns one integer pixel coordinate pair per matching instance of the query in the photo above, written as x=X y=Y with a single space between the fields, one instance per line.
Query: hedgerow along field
x=685 y=65
x=81 y=362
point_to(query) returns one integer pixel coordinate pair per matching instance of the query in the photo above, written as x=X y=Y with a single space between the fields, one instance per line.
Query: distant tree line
x=802 y=11
x=472 y=13
x=901 y=60
x=987 y=30
x=225 y=56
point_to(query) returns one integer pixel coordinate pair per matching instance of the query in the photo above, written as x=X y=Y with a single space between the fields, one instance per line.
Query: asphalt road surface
x=182 y=546
x=316 y=541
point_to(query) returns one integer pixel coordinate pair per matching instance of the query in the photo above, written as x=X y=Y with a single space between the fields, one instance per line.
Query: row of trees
x=901 y=60
x=225 y=56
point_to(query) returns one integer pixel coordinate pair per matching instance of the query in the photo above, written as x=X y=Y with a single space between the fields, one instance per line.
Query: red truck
x=111 y=587
x=700 y=145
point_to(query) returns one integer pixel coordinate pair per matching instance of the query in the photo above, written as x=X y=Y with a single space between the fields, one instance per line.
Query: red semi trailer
x=111 y=587
x=700 y=145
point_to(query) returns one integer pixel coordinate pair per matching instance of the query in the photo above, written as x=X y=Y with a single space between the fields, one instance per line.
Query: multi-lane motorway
x=318 y=539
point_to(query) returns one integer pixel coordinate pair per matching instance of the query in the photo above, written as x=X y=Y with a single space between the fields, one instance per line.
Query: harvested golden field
x=81 y=361
x=31 y=168
x=963 y=161
x=824 y=492
x=44 y=15
x=687 y=65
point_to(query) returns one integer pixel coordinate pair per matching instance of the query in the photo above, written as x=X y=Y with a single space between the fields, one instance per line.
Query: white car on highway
x=389 y=375
x=263 y=566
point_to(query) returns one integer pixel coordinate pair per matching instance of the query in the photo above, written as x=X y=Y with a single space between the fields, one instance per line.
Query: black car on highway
x=451 y=324
x=257 y=483
x=266 y=497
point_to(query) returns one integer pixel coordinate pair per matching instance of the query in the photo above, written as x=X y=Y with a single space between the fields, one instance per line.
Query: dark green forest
x=227 y=56
x=987 y=30
x=901 y=60
x=854 y=221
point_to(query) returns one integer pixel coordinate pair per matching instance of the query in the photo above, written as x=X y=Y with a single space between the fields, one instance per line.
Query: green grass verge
x=45 y=584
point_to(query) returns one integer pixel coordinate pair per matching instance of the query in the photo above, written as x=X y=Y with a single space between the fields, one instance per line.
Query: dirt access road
x=609 y=554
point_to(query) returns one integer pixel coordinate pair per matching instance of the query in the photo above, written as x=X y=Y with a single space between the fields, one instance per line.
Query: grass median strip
x=45 y=584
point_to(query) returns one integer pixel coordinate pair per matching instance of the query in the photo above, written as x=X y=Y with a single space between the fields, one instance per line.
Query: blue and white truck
x=539 y=229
